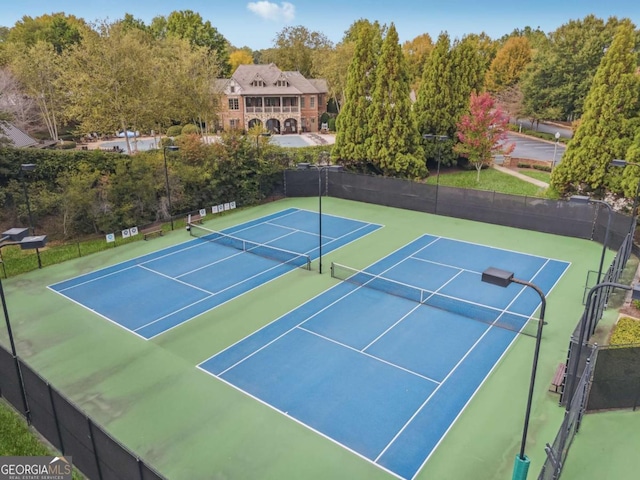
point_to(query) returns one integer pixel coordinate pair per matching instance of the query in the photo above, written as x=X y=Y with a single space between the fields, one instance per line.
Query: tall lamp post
x=584 y=321
x=320 y=169
x=17 y=236
x=586 y=199
x=29 y=167
x=172 y=148
x=623 y=163
x=437 y=139
x=555 y=150
x=503 y=279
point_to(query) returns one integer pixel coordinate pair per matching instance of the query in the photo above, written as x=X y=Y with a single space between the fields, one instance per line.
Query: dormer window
x=282 y=83
x=257 y=83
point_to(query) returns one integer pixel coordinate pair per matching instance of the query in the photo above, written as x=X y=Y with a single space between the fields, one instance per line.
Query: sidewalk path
x=509 y=171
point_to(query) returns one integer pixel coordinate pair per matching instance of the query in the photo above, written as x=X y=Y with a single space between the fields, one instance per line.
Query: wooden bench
x=195 y=219
x=152 y=232
x=558 y=378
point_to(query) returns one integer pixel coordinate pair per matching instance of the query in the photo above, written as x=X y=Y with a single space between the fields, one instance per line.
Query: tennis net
x=259 y=249
x=490 y=315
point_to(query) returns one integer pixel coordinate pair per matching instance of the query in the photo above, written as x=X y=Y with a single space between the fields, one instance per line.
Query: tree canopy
x=610 y=120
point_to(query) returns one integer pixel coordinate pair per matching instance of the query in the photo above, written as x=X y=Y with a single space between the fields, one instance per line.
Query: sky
x=255 y=24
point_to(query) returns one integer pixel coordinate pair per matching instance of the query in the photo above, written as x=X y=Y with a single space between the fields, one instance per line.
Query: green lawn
x=490 y=180
x=537 y=174
x=16 y=439
x=15 y=436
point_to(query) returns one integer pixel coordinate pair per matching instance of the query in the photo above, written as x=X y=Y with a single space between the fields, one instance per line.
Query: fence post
x=95 y=450
x=55 y=418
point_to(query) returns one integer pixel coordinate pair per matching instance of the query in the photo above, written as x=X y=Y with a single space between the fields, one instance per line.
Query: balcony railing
x=294 y=109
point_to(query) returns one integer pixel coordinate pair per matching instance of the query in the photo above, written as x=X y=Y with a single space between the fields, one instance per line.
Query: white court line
x=186 y=246
x=299 y=422
x=522 y=289
x=213 y=294
x=327 y=306
x=296 y=325
x=378 y=359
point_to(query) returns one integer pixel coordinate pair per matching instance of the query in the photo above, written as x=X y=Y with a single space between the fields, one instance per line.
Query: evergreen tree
x=431 y=107
x=610 y=117
x=468 y=69
x=353 y=125
x=556 y=82
x=449 y=78
x=394 y=146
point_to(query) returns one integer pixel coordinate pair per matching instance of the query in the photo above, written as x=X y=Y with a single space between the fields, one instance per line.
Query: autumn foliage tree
x=482 y=132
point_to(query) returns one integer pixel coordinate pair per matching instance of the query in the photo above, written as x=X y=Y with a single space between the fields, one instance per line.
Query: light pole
x=320 y=169
x=503 y=279
x=29 y=167
x=18 y=237
x=437 y=139
x=584 y=320
x=555 y=150
x=586 y=199
x=173 y=148
x=623 y=163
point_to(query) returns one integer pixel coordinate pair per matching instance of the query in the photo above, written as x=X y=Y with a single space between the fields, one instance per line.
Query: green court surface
x=187 y=425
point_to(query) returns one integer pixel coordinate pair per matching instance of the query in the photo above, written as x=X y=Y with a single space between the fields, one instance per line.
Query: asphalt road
x=535 y=149
x=544 y=127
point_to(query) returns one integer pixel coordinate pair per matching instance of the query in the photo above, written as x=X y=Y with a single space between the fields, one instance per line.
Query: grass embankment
x=537 y=174
x=17 y=439
x=490 y=180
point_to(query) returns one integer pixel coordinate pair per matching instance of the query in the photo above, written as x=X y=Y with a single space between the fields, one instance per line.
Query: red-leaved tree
x=483 y=132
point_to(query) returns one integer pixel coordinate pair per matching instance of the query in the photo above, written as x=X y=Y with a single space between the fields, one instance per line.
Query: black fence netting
x=76 y=436
x=557 y=453
x=9 y=381
x=548 y=216
x=95 y=453
x=41 y=408
x=592 y=314
x=616 y=378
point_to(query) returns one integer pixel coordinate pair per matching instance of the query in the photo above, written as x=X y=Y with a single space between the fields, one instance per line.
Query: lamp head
x=579 y=199
x=496 y=276
x=31 y=243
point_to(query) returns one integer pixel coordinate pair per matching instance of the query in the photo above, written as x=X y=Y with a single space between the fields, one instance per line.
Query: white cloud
x=272 y=11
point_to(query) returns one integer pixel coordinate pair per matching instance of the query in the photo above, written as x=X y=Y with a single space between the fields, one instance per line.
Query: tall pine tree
x=394 y=146
x=610 y=117
x=431 y=107
x=353 y=125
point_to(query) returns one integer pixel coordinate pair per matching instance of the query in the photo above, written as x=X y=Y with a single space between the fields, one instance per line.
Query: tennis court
x=384 y=362
x=154 y=293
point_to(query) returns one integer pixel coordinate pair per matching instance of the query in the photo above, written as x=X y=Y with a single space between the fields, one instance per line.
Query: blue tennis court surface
x=383 y=375
x=154 y=293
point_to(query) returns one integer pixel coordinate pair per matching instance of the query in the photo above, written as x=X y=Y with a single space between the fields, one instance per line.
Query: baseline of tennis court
x=386 y=375
x=159 y=291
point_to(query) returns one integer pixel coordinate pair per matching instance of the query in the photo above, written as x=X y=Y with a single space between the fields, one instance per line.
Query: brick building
x=283 y=102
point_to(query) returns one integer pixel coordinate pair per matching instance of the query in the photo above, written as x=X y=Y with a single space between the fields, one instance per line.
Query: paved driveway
x=535 y=149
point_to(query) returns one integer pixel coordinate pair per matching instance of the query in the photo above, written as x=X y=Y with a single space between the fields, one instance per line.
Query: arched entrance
x=290 y=125
x=254 y=122
x=273 y=125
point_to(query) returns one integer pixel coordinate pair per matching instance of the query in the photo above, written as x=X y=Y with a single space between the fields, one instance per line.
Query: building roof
x=17 y=137
x=297 y=84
